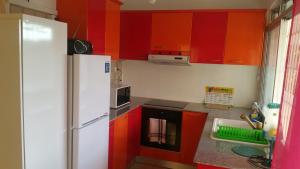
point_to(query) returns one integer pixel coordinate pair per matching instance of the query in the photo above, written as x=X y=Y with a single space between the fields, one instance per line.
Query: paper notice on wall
x=219 y=95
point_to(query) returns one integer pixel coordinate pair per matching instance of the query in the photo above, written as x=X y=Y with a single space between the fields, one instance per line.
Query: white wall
x=187 y=83
x=195 y=4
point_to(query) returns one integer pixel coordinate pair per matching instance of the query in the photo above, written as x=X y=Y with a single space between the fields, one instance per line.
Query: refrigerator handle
x=93 y=121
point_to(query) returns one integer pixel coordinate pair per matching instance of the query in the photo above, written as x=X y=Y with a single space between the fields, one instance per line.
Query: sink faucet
x=255 y=125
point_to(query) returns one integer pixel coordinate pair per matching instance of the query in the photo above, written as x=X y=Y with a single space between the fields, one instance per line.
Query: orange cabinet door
x=171 y=31
x=245 y=36
x=192 y=126
x=120 y=142
x=112 y=29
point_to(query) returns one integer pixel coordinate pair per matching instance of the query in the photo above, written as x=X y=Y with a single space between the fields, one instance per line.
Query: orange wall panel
x=112 y=29
x=171 y=31
x=245 y=36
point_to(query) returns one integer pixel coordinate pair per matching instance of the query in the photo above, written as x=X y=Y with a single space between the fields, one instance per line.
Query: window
x=273 y=67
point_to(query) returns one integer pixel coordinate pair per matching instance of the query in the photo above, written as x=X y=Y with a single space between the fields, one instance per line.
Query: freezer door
x=44 y=93
x=91 y=88
x=90 y=145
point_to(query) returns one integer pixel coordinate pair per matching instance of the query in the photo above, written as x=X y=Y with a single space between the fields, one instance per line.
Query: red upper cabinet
x=94 y=20
x=135 y=38
x=245 y=36
x=94 y=29
x=87 y=18
x=208 y=37
x=171 y=31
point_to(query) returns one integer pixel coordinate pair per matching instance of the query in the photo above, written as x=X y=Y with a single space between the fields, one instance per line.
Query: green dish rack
x=241 y=134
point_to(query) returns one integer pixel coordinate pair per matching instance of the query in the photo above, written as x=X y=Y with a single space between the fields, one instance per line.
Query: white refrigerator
x=33 y=93
x=89 y=96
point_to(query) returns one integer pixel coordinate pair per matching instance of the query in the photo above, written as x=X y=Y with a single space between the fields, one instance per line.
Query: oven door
x=123 y=96
x=161 y=128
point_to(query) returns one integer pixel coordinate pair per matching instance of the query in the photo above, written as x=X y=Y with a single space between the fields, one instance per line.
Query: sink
x=237 y=131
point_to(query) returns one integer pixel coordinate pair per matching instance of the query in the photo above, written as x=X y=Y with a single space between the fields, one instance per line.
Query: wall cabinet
x=192 y=126
x=171 y=32
x=208 y=37
x=94 y=20
x=214 y=37
x=86 y=20
x=135 y=38
x=245 y=36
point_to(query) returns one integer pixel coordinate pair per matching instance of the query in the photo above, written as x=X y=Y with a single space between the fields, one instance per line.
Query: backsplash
x=187 y=83
x=116 y=72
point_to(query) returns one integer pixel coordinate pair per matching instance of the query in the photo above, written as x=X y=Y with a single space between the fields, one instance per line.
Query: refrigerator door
x=91 y=88
x=90 y=145
x=44 y=93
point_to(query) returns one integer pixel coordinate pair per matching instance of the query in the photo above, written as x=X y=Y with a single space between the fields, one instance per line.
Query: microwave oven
x=119 y=96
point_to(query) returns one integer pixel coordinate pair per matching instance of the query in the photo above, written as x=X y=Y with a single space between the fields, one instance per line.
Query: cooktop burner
x=165 y=103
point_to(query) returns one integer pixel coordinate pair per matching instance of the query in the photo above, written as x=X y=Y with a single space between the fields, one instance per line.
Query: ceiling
x=195 y=4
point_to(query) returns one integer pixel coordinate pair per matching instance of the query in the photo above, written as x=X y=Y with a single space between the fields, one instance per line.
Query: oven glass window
x=161 y=128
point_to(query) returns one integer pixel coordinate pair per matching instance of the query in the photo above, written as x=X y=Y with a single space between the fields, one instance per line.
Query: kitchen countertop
x=209 y=152
x=138 y=101
x=218 y=153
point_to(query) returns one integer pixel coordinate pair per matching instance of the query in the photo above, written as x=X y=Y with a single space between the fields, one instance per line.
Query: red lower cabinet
x=120 y=142
x=134 y=134
x=202 y=166
x=111 y=144
x=124 y=139
x=192 y=126
x=160 y=154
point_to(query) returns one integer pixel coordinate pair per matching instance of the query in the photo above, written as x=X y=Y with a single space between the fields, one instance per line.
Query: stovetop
x=165 y=103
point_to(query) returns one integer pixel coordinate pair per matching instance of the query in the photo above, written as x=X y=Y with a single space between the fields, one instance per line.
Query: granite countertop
x=218 y=153
x=138 y=101
x=209 y=151
x=134 y=103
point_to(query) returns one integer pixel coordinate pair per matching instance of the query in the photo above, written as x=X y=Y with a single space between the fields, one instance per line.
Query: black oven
x=161 y=128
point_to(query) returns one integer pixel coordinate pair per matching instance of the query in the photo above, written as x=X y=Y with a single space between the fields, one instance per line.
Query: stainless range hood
x=169 y=59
